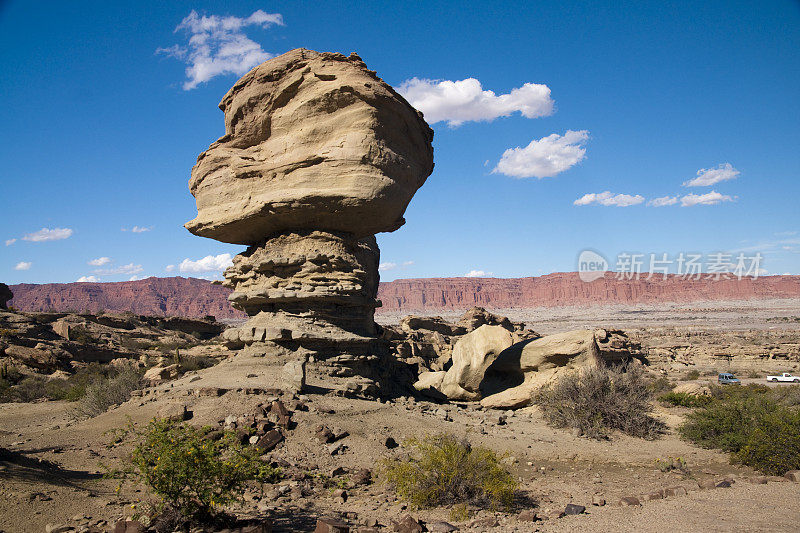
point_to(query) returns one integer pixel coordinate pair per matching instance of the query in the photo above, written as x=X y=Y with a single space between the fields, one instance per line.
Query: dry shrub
x=444 y=470
x=101 y=395
x=599 y=400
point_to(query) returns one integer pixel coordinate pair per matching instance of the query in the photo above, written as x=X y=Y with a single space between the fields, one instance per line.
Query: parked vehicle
x=785 y=377
x=726 y=378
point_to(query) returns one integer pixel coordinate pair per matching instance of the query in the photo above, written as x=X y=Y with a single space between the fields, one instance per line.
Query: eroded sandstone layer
x=319 y=154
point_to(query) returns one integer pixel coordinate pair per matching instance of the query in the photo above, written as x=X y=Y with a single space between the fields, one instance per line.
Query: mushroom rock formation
x=319 y=155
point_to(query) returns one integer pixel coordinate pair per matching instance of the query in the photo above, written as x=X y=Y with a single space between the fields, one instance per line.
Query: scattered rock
x=572 y=508
x=528 y=515
x=269 y=440
x=629 y=501
x=675 y=491
x=390 y=443
x=407 y=524
x=331 y=525
x=598 y=500
x=440 y=527
x=793 y=475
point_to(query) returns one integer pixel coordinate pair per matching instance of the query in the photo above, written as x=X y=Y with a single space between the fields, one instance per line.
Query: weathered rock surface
x=472 y=356
x=319 y=154
x=523 y=368
x=48 y=343
x=312 y=141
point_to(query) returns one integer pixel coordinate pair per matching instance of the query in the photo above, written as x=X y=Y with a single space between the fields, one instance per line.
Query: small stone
x=706 y=484
x=51 y=528
x=408 y=524
x=390 y=443
x=598 y=500
x=758 y=480
x=270 y=439
x=338 y=471
x=441 y=527
x=724 y=484
x=572 y=508
x=340 y=494
x=331 y=525
x=528 y=515
x=793 y=475
x=362 y=477
x=484 y=523
x=675 y=491
x=629 y=501
x=655 y=495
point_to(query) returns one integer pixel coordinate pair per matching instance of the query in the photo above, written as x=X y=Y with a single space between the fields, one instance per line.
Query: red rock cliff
x=192 y=297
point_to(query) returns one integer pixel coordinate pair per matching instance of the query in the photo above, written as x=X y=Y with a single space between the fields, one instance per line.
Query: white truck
x=785 y=377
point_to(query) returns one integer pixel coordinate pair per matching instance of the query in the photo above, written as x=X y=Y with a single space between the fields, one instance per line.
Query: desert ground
x=52 y=464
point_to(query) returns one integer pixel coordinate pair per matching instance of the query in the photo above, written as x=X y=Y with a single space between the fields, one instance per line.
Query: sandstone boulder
x=472 y=356
x=520 y=370
x=312 y=141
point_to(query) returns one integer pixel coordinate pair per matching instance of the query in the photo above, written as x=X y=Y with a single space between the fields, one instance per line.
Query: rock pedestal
x=319 y=155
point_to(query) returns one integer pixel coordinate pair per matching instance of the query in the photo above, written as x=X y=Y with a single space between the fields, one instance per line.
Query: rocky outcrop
x=5 y=295
x=44 y=343
x=319 y=154
x=503 y=367
x=473 y=354
x=566 y=288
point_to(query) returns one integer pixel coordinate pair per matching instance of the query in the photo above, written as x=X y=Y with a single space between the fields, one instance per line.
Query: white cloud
x=709 y=198
x=477 y=274
x=100 y=261
x=135 y=278
x=9 y=242
x=209 y=263
x=465 y=100
x=389 y=265
x=130 y=268
x=23 y=265
x=46 y=234
x=609 y=199
x=88 y=279
x=140 y=229
x=169 y=268
x=218 y=46
x=544 y=158
x=663 y=201
x=710 y=176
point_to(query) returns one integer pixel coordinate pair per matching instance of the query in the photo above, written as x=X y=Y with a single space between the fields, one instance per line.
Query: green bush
x=682 y=399
x=599 y=400
x=193 y=474
x=753 y=423
x=661 y=385
x=693 y=374
x=444 y=470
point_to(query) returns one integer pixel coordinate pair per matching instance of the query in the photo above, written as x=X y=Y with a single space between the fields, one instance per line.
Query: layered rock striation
x=319 y=155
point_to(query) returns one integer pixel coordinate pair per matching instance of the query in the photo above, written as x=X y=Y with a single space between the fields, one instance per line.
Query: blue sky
x=626 y=103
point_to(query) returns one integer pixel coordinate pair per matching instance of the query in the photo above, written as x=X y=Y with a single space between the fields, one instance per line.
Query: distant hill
x=191 y=297
x=175 y=296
